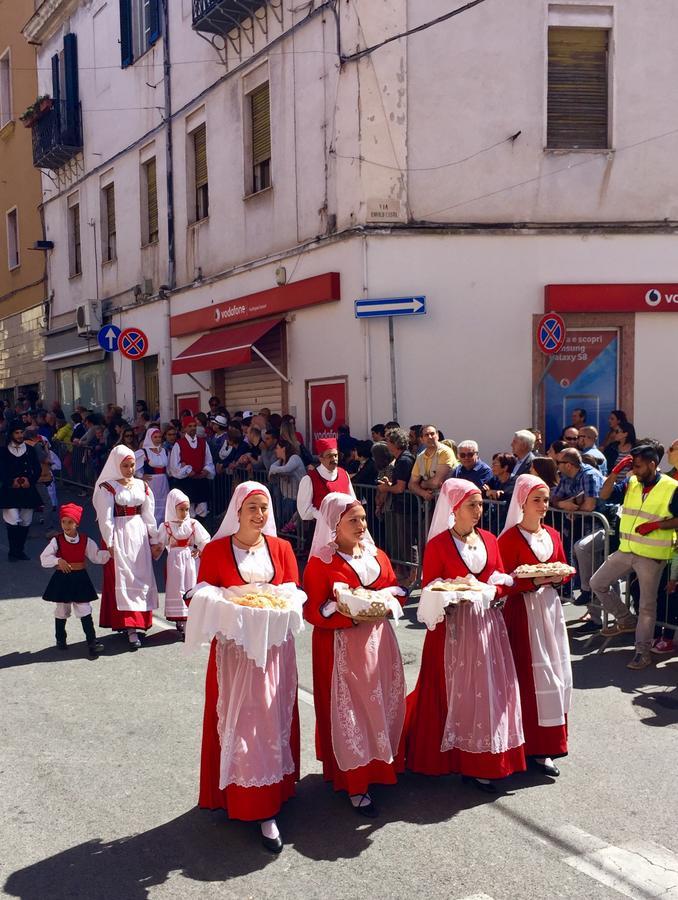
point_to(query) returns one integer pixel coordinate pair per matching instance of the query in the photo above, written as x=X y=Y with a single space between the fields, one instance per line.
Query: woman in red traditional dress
x=358 y=678
x=536 y=626
x=464 y=714
x=250 y=741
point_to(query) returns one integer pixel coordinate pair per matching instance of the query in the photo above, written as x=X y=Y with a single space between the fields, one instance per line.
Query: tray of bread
x=365 y=605
x=544 y=570
x=260 y=599
x=461 y=589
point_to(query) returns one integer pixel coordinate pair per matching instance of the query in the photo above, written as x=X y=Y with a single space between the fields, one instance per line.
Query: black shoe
x=135 y=644
x=62 y=645
x=275 y=845
x=583 y=599
x=551 y=770
x=95 y=647
x=17 y=557
x=487 y=787
x=369 y=810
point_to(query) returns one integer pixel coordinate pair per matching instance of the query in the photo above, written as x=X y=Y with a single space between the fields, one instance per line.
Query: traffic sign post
x=551 y=334
x=390 y=306
x=108 y=338
x=133 y=343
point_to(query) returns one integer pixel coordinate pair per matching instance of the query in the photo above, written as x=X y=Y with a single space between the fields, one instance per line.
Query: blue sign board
x=108 y=338
x=391 y=306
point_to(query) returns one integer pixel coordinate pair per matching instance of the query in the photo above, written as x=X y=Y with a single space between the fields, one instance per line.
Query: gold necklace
x=464 y=538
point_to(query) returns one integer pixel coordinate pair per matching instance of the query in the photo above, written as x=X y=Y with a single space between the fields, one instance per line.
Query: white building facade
x=511 y=160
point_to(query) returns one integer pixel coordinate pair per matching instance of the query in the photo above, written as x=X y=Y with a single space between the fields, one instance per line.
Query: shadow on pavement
x=115 y=645
x=200 y=845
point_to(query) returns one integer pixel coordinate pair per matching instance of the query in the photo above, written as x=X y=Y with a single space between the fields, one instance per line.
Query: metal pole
x=535 y=394
x=394 y=388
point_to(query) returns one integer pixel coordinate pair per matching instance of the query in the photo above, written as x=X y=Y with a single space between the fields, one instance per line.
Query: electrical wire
x=538 y=178
x=437 y=168
x=396 y=37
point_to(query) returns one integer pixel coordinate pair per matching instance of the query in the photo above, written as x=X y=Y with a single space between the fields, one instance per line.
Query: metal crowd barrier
x=401 y=529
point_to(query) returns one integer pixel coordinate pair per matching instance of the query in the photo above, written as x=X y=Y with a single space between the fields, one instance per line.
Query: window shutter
x=154 y=21
x=200 y=150
x=578 y=88
x=261 y=124
x=152 y=199
x=110 y=210
x=126 y=45
x=71 y=87
x=56 y=86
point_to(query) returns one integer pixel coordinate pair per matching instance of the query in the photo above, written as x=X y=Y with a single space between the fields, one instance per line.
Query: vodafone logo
x=328 y=413
x=653 y=297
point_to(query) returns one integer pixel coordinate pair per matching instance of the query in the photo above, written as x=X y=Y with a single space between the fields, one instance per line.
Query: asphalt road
x=99 y=772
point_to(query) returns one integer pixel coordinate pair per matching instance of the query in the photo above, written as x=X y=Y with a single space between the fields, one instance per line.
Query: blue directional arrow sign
x=390 y=306
x=108 y=338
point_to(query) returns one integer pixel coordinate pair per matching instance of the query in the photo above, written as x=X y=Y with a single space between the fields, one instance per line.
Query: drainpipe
x=165 y=387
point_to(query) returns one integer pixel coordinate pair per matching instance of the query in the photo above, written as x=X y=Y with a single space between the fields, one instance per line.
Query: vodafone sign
x=611 y=298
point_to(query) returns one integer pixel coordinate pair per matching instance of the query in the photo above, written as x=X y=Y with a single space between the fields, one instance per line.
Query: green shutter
x=261 y=124
x=200 y=151
x=578 y=88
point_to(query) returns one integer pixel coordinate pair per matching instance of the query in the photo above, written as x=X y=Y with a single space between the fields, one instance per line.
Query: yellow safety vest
x=650 y=508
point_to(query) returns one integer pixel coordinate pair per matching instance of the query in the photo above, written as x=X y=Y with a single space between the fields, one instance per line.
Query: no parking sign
x=133 y=343
x=551 y=333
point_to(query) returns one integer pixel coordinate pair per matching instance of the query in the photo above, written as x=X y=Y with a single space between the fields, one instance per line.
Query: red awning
x=222 y=349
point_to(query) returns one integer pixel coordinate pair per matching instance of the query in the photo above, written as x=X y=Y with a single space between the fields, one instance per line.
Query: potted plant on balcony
x=36 y=110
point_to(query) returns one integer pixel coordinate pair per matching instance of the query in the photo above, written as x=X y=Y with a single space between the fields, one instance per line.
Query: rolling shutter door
x=578 y=88
x=255 y=385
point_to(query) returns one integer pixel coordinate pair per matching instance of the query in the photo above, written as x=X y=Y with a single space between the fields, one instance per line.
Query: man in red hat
x=325 y=478
x=191 y=464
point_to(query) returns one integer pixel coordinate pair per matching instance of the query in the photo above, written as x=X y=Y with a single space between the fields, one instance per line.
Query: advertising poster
x=327 y=408
x=583 y=374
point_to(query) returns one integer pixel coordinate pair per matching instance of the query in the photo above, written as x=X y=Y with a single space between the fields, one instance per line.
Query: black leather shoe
x=369 y=810
x=583 y=599
x=135 y=645
x=486 y=787
x=551 y=770
x=62 y=645
x=275 y=845
x=95 y=648
x=589 y=627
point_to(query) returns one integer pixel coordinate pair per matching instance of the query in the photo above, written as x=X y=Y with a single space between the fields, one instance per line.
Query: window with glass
x=5 y=89
x=260 y=123
x=13 y=260
x=199 y=141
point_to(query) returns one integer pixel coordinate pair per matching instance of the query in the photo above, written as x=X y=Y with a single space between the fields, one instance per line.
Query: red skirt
x=119 y=619
x=355 y=781
x=425 y=724
x=539 y=740
x=248 y=804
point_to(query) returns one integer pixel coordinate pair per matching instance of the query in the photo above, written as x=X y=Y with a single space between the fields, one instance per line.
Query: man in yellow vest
x=647 y=532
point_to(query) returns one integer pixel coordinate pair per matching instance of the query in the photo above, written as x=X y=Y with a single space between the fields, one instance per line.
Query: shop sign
x=601 y=298
x=298 y=294
x=327 y=408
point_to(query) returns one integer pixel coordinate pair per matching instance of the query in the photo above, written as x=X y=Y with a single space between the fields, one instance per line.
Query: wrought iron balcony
x=57 y=136
x=222 y=16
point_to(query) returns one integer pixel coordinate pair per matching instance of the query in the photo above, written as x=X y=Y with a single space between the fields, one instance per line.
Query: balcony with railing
x=57 y=136
x=222 y=16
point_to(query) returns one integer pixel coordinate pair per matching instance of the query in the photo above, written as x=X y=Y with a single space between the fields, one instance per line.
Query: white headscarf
x=231 y=521
x=111 y=470
x=453 y=493
x=332 y=508
x=148 y=438
x=524 y=486
x=175 y=497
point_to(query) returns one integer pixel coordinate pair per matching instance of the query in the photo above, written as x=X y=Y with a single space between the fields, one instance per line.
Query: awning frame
x=270 y=364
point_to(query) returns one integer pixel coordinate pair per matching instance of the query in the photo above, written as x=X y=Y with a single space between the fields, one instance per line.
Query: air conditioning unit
x=88 y=317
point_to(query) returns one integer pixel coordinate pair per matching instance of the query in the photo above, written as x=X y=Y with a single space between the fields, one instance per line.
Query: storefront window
x=83 y=386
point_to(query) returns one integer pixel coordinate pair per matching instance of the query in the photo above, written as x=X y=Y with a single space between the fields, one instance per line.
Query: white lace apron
x=549 y=646
x=367 y=705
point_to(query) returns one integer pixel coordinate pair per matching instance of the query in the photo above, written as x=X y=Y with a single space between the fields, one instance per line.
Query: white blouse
x=474 y=557
x=540 y=543
x=366 y=567
x=254 y=564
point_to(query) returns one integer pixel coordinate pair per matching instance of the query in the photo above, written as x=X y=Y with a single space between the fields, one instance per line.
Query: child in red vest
x=70 y=586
